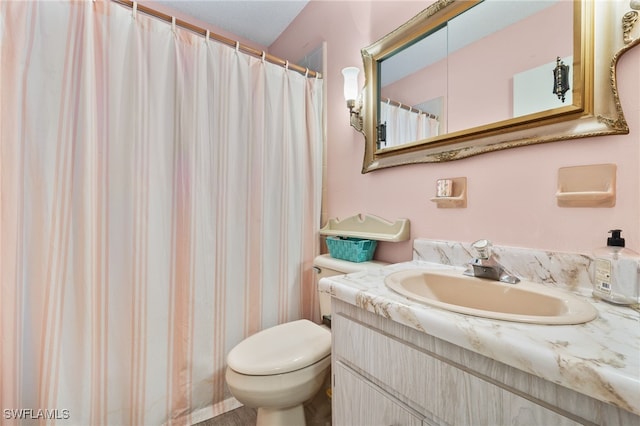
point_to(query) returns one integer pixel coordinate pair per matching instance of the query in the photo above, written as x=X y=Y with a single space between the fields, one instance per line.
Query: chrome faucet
x=485 y=265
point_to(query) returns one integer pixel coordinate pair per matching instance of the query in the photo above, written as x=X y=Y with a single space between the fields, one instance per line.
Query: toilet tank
x=327 y=266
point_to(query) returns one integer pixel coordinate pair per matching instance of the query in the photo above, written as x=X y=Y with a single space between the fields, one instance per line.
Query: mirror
x=469 y=77
x=466 y=62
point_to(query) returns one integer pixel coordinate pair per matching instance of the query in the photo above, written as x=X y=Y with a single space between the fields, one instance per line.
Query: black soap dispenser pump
x=616 y=272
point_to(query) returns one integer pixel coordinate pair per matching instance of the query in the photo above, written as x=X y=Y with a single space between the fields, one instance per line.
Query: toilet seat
x=281 y=349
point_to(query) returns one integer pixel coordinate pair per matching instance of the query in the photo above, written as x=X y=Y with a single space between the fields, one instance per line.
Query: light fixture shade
x=350 y=82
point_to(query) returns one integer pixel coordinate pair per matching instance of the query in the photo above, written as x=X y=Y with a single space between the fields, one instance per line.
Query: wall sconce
x=350 y=75
x=560 y=79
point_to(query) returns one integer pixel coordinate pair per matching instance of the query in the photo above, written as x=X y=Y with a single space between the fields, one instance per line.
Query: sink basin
x=523 y=302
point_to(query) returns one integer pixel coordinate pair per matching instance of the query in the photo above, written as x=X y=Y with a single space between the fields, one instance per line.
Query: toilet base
x=281 y=416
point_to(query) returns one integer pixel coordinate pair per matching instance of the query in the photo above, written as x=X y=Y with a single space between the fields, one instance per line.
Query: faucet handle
x=482 y=248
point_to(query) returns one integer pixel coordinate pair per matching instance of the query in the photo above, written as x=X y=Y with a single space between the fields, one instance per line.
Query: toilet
x=280 y=368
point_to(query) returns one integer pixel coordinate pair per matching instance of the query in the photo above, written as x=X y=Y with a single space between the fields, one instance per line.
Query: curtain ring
x=286 y=65
x=207 y=36
x=388 y=101
x=306 y=72
x=134 y=10
x=264 y=55
x=173 y=24
x=237 y=46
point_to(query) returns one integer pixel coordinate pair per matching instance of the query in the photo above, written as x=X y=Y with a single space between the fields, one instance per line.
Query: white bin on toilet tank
x=277 y=369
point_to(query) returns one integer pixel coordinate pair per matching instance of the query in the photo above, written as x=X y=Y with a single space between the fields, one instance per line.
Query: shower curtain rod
x=409 y=108
x=222 y=39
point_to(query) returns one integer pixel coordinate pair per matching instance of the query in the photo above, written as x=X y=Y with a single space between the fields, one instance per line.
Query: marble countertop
x=600 y=359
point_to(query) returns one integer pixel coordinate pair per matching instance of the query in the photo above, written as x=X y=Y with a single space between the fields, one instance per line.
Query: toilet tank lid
x=281 y=349
x=344 y=266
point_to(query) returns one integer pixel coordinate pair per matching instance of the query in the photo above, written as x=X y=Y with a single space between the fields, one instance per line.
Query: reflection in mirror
x=487 y=54
x=413 y=89
x=510 y=64
x=457 y=96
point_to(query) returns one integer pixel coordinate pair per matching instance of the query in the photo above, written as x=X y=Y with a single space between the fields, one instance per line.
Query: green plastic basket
x=351 y=249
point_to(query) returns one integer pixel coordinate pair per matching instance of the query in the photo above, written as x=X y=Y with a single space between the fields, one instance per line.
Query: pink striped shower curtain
x=159 y=202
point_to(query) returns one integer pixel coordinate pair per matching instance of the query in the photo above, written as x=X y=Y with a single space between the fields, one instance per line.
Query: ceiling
x=259 y=21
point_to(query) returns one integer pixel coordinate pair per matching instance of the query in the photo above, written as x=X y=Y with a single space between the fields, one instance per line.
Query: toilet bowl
x=278 y=369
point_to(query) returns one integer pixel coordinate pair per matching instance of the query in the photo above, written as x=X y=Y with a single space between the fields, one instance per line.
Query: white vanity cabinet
x=360 y=402
x=385 y=373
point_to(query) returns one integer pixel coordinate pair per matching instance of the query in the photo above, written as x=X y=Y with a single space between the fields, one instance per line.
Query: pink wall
x=511 y=194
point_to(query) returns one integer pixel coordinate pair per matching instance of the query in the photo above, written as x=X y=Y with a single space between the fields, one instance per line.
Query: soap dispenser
x=617 y=272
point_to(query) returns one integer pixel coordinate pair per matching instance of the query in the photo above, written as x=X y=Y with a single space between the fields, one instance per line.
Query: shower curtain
x=159 y=202
x=404 y=126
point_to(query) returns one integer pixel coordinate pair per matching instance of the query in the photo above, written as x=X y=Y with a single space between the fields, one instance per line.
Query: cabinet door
x=433 y=387
x=357 y=402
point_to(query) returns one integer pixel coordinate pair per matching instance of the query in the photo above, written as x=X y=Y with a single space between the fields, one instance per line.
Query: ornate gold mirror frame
x=605 y=35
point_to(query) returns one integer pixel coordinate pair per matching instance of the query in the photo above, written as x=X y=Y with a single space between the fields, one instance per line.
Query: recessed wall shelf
x=369 y=227
x=587 y=186
x=458 y=198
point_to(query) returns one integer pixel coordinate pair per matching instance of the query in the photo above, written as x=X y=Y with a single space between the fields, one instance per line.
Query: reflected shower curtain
x=404 y=126
x=159 y=202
